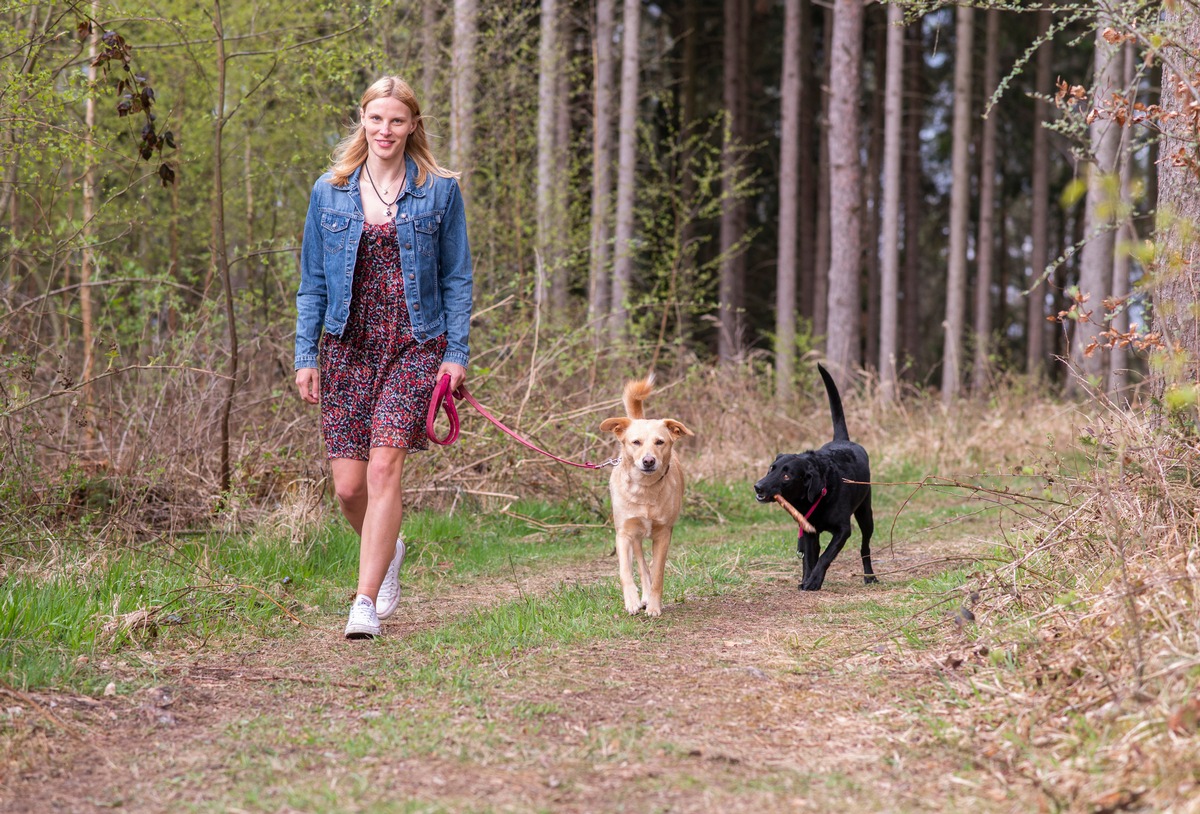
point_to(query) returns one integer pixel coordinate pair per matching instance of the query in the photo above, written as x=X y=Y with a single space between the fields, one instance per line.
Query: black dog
x=815 y=483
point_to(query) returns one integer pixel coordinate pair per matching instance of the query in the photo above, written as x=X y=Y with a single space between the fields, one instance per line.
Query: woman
x=385 y=275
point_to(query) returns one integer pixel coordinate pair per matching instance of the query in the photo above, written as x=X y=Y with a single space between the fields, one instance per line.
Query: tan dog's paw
x=653 y=607
x=632 y=603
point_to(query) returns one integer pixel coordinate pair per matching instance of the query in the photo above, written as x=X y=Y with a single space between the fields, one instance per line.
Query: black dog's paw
x=870 y=579
x=811 y=584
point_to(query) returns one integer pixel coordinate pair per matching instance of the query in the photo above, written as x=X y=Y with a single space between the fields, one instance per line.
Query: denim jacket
x=431 y=229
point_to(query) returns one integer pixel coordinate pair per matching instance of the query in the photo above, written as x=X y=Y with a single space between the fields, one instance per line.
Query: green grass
x=54 y=611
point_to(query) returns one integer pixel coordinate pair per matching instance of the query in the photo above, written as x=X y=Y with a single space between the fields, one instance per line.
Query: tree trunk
x=431 y=44
x=806 y=207
x=462 y=87
x=893 y=125
x=1096 y=257
x=1039 y=226
x=789 y=149
x=1177 y=254
x=872 y=190
x=626 y=169
x=960 y=203
x=845 y=195
x=220 y=256
x=598 y=281
x=822 y=248
x=985 y=252
x=729 y=304
x=1118 y=356
x=911 y=349
x=86 y=260
x=548 y=71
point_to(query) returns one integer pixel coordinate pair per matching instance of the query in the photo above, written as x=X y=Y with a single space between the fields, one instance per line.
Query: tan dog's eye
x=637 y=443
x=658 y=443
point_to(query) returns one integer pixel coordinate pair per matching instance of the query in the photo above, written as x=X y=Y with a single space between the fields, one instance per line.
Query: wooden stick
x=795 y=513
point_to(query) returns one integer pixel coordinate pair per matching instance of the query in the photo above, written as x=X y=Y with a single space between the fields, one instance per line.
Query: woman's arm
x=456 y=279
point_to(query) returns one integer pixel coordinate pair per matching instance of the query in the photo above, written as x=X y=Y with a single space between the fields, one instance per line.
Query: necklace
x=387 y=206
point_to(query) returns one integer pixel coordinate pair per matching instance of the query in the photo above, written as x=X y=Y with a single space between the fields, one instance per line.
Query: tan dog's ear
x=676 y=427
x=616 y=426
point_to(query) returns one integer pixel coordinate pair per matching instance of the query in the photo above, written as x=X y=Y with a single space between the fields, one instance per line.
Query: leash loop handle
x=439 y=401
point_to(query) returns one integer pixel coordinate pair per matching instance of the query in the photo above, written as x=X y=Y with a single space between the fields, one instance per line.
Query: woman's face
x=387 y=123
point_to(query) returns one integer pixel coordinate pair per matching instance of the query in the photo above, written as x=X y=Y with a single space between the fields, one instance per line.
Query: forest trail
x=765 y=699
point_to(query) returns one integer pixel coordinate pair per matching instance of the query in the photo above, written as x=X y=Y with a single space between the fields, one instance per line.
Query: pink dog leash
x=439 y=401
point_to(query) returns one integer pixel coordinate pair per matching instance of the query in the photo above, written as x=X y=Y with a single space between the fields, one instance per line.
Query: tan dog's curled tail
x=636 y=393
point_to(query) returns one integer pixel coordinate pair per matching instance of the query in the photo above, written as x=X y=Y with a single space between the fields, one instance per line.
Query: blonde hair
x=351 y=152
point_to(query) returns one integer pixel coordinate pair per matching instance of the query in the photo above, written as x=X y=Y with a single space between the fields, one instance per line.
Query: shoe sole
x=361 y=633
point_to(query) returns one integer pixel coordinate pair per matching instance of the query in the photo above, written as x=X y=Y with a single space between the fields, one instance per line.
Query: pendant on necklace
x=389 y=212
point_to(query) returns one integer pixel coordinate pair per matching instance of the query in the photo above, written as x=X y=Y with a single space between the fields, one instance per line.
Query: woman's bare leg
x=372 y=499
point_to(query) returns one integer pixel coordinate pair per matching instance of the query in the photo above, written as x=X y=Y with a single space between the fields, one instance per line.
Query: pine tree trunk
x=548 y=70
x=626 y=169
x=729 y=304
x=845 y=193
x=789 y=147
x=960 y=202
x=599 y=284
x=1177 y=254
x=911 y=321
x=462 y=87
x=1039 y=226
x=1118 y=356
x=985 y=251
x=1096 y=256
x=893 y=125
x=823 y=239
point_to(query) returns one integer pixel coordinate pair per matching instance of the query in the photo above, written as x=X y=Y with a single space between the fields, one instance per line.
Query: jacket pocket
x=427 y=233
x=335 y=227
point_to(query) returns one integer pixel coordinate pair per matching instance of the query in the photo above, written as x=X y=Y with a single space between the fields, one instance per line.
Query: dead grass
x=1081 y=674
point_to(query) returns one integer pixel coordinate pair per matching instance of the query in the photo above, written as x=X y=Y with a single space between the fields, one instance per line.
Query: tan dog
x=647 y=495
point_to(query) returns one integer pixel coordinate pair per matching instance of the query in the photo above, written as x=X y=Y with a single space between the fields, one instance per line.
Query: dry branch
x=795 y=513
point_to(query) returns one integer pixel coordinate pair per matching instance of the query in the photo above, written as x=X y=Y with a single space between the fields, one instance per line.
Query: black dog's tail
x=840 y=433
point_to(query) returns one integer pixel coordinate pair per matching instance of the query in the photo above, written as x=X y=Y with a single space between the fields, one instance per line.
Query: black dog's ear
x=815 y=482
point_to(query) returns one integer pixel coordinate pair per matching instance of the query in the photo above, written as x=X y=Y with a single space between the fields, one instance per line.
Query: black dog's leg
x=816 y=576
x=866 y=525
x=807 y=547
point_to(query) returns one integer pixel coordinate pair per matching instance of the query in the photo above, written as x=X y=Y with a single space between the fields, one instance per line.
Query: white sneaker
x=389 y=592
x=363 y=624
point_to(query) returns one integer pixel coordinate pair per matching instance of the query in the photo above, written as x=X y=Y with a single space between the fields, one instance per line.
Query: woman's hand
x=308 y=382
x=456 y=372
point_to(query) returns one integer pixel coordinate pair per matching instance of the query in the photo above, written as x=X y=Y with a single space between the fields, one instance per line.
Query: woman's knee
x=350 y=491
x=385 y=471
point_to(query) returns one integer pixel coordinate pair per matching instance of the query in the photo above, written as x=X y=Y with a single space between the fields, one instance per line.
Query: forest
x=932 y=198
x=981 y=217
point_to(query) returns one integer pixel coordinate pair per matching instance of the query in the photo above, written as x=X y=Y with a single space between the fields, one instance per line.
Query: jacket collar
x=410 y=179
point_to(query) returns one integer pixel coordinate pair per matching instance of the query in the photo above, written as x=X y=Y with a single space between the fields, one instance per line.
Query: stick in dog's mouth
x=795 y=513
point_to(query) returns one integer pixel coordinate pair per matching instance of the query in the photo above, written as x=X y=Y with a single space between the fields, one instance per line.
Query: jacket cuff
x=456 y=357
x=306 y=361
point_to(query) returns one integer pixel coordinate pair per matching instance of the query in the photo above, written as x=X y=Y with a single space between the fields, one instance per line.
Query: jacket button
x=412 y=276
x=408 y=245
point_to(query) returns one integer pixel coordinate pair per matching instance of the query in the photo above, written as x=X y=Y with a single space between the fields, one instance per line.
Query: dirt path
x=763 y=700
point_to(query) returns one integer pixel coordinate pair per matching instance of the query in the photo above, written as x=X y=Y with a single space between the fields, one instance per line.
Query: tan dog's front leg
x=658 y=567
x=625 y=544
x=639 y=554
